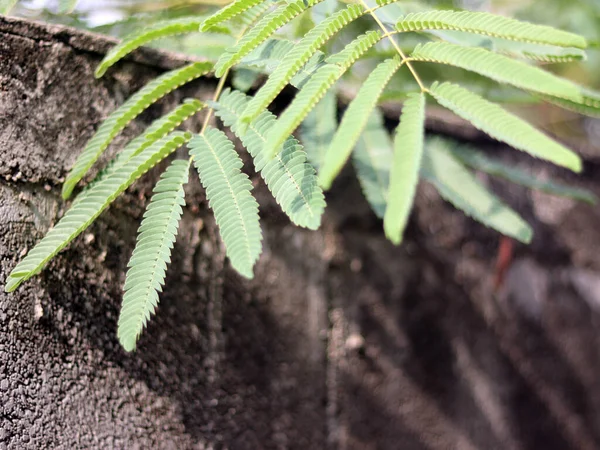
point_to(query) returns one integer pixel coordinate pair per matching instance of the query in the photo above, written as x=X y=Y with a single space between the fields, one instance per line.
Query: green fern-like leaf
x=355 y=49
x=303 y=103
x=516 y=49
x=318 y=128
x=458 y=186
x=479 y=161
x=84 y=212
x=588 y=106
x=125 y=114
x=157 y=130
x=299 y=55
x=489 y=25
x=404 y=176
x=502 y=125
x=267 y=56
x=291 y=180
x=355 y=119
x=229 y=12
x=228 y=192
x=316 y=87
x=372 y=158
x=147 y=34
x=262 y=31
x=497 y=67
x=148 y=263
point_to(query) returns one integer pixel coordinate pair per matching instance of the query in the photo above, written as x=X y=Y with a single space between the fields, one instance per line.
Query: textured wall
x=341 y=341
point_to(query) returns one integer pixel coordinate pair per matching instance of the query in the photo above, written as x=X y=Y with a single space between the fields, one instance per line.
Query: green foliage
x=318 y=128
x=289 y=177
x=7 y=5
x=372 y=159
x=148 y=263
x=502 y=125
x=355 y=119
x=457 y=185
x=299 y=55
x=228 y=193
x=331 y=47
x=497 y=67
x=477 y=160
x=135 y=40
x=261 y=32
x=489 y=25
x=404 y=175
x=84 y=212
x=230 y=11
x=119 y=119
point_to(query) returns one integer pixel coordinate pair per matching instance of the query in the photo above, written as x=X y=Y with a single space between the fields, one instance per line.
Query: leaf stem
x=388 y=34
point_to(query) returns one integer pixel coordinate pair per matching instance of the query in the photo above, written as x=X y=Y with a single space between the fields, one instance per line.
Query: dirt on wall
x=341 y=341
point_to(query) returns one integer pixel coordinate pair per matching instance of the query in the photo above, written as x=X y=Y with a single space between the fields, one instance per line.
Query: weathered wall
x=341 y=341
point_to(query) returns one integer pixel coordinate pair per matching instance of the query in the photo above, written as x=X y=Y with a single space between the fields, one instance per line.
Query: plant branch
x=388 y=34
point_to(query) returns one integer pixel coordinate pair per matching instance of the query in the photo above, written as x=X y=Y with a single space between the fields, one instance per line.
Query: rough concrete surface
x=341 y=341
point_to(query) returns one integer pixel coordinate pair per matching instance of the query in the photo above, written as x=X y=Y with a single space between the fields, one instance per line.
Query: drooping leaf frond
x=157 y=130
x=303 y=103
x=147 y=34
x=228 y=192
x=355 y=119
x=516 y=49
x=372 y=158
x=84 y=212
x=316 y=87
x=497 y=67
x=502 y=125
x=588 y=106
x=262 y=31
x=289 y=177
x=318 y=129
x=458 y=186
x=299 y=55
x=125 y=114
x=479 y=161
x=152 y=253
x=489 y=25
x=404 y=175
x=355 y=49
x=267 y=56
x=229 y=12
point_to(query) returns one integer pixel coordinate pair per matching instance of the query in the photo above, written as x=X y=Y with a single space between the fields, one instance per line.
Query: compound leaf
x=502 y=125
x=497 y=67
x=318 y=128
x=355 y=119
x=479 y=161
x=404 y=175
x=372 y=159
x=297 y=57
x=458 y=186
x=85 y=211
x=147 y=34
x=125 y=114
x=289 y=177
x=316 y=87
x=228 y=192
x=489 y=25
x=148 y=263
